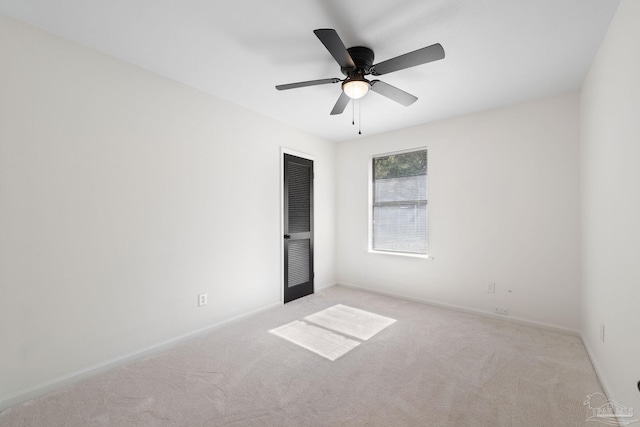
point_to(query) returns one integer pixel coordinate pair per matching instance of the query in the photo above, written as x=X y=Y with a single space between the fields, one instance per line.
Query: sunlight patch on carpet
x=324 y=334
x=350 y=321
x=320 y=341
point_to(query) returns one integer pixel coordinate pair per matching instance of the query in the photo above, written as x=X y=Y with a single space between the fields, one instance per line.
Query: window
x=399 y=203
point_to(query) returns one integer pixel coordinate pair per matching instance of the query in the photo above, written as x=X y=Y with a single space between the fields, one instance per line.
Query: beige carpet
x=433 y=367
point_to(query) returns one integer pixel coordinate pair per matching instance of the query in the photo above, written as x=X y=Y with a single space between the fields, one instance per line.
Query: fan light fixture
x=356 y=89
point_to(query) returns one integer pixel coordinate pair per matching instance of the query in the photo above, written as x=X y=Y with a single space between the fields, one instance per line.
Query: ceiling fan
x=357 y=62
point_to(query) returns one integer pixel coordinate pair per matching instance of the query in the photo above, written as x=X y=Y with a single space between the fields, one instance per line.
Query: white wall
x=503 y=208
x=610 y=148
x=122 y=196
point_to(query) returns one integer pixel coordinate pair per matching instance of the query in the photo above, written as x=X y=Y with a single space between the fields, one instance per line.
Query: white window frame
x=370 y=207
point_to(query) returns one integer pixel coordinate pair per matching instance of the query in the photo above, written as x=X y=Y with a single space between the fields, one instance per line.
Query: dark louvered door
x=298 y=227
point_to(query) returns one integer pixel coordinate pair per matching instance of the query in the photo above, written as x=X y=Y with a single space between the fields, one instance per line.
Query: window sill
x=401 y=254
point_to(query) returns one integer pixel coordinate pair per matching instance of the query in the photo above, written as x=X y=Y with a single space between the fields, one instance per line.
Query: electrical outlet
x=502 y=311
x=491 y=288
x=202 y=300
x=602 y=332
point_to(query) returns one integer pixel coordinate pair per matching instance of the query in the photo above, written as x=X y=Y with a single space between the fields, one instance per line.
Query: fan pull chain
x=353 y=111
x=359 y=118
x=353 y=114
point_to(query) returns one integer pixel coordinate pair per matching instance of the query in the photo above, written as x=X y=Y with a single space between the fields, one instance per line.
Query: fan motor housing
x=362 y=57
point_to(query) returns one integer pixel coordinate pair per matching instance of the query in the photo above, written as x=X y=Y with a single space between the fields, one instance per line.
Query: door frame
x=283 y=151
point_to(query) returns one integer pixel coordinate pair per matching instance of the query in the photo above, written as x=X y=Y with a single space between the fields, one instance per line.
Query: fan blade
x=393 y=93
x=341 y=104
x=336 y=48
x=308 y=83
x=411 y=59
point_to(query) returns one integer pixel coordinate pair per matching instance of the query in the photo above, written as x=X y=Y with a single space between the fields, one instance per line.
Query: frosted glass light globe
x=356 y=89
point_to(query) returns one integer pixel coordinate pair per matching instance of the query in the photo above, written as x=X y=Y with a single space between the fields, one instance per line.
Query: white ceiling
x=498 y=52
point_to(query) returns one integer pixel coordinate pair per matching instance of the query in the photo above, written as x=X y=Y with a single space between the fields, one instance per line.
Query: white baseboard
x=56 y=383
x=521 y=321
x=599 y=373
x=324 y=287
x=596 y=367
